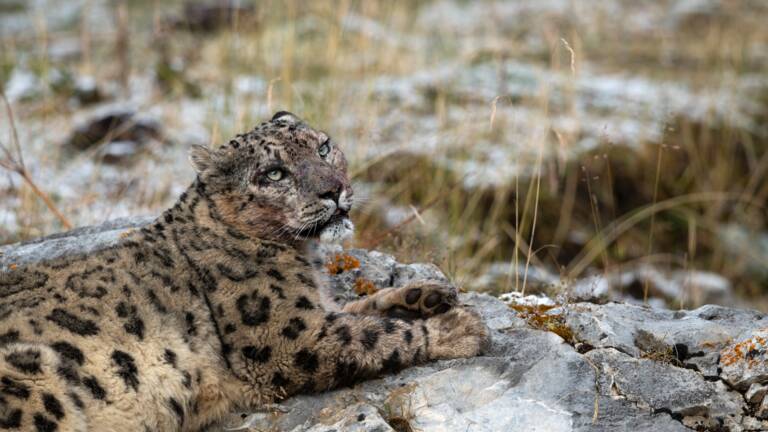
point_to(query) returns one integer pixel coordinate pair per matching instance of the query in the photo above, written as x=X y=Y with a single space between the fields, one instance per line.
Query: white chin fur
x=337 y=232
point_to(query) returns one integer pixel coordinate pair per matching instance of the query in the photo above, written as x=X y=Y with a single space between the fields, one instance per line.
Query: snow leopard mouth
x=338 y=216
x=338 y=225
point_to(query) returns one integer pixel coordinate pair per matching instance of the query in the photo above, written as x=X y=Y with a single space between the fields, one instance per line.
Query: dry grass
x=12 y=160
x=572 y=211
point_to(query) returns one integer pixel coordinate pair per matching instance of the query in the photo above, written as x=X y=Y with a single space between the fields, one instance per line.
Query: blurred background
x=603 y=150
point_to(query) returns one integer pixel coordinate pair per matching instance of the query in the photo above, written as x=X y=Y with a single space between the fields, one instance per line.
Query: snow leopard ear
x=286 y=116
x=201 y=158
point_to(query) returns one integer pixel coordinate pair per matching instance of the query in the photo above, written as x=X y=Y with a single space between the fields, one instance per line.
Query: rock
x=755 y=396
x=357 y=418
x=212 y=15
x=745 y=363
x=694 y=337
x=662 y=386
x=665 y=288
x=375 y=267
x=637 y=368
x=360 y=417
x=502 y=274
x=77 y=241
x=497 y=315
x=532 y=301
x=121 y=131
x=753 y=424
x=762 y=411
x=756 y=393
x=540 y=385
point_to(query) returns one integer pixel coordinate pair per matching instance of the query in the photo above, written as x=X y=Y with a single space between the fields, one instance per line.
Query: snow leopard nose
x=332 y=192
x=322 y=181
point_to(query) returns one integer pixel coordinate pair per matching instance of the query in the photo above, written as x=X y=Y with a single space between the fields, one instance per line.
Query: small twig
x=535 y=216
x=16 y=164
x=494 y=103
x=493 y=111
x=653 y=215
x=14 y=133
x=573 y=55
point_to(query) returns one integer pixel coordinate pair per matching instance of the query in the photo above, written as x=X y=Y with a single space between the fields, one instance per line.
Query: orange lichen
x=524 y=309
x=364 y=287
x=341 y=263
x=13 y=266
x=537 y=317
x=743 y=351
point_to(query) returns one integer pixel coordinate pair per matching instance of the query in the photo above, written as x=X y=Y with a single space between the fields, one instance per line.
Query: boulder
x=617 y=367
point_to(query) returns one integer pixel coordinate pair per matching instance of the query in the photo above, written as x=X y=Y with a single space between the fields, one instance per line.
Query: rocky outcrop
x=573 y=367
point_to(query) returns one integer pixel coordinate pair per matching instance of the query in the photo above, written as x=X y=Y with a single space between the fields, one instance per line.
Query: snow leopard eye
x=276 y=174
x=324 y=150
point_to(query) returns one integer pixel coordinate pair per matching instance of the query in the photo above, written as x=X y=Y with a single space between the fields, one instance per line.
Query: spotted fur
x=214 y=306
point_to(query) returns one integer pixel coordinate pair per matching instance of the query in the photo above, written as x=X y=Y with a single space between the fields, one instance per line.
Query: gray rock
x=376 y=267
x=641 y=368
x=502 y=274
x=77 y=241
x=664 y=287
x=404 y=274
x=754 y=424
x=694 y=337
x=660 y=386
x=756 y=393
x=626 y=284
x=357 y=418
x=745 y=362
